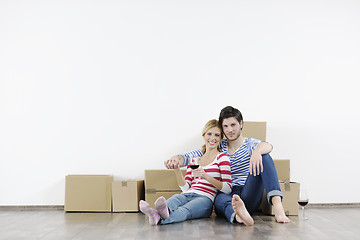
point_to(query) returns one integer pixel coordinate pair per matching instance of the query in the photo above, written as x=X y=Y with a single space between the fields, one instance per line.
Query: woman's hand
x=200 y=172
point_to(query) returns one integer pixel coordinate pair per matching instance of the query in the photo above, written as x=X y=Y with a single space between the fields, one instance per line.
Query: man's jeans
x=251 y=193
x=188 y=206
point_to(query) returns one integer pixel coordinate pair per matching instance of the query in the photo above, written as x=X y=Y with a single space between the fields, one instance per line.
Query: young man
x=252 y=170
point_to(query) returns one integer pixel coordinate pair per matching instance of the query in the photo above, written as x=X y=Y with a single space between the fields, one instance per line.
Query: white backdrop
x=116 y=87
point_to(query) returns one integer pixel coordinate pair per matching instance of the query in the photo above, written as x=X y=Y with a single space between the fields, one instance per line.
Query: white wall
x=116 y=87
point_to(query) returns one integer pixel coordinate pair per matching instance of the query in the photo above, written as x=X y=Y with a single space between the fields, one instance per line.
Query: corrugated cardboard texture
x=283 y=169
x=126 y=195
x=88 y=193
x=254 y=130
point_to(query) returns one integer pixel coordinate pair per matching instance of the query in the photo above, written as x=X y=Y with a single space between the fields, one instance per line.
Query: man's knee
x=267 y=157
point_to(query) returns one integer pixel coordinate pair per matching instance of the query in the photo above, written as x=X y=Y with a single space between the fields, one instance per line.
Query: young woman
x=199 y=186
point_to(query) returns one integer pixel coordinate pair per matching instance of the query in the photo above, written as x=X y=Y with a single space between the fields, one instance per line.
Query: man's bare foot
x=279 y=210
x=242 y=215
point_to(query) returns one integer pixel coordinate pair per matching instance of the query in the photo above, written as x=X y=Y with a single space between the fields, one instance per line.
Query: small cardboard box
x=160 y=183
x=88 y=193
x=283 y=169
x=290 y=200
x=126 y=195
x=254 y=130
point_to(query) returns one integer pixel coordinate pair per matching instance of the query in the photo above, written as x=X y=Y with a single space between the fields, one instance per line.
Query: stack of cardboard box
x=289 y=189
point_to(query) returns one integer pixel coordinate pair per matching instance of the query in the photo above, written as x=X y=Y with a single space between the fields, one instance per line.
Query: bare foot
x=279 y=210
x=280 y=214
x=242 y=215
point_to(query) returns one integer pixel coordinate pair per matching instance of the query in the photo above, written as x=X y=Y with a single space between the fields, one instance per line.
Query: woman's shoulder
x=222 y=156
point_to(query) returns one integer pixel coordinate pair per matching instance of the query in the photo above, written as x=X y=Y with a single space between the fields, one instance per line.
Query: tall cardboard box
x=160 y=183
x=291 y=195
x=88 y=193
x=254 y=130
x=126 y=195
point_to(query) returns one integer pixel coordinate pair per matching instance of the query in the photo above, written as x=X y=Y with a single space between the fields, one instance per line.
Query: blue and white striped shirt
x=239 y=161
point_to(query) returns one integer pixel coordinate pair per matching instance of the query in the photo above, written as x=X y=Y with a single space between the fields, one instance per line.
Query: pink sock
x=153 y=215
x=161 y=207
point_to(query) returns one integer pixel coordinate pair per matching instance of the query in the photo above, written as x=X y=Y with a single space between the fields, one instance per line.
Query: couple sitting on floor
x=232 y=175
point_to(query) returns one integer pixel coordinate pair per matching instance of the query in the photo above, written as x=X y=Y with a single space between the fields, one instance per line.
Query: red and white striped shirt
x=218 y=169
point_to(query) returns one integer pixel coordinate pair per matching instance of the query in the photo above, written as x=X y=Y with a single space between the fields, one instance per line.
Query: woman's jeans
x=187 y=206
x=251 y=193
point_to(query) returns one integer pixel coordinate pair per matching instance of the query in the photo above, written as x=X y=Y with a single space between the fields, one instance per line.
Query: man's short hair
x=228 y=112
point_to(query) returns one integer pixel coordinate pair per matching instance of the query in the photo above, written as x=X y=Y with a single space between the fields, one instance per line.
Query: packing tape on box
x=150 y=191
x=124 y=184
x=153 y=191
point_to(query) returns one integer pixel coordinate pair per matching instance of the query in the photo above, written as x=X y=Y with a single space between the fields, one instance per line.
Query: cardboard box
x=254 y=130
x=150 y=197
x=283 y=169
x=88 y=193
x=160 y=183
x=126 y=195
x=161 y=180
x=290 y=200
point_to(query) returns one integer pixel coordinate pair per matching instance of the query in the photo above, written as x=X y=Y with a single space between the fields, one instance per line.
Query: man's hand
x=255 y=163
x=174 y=162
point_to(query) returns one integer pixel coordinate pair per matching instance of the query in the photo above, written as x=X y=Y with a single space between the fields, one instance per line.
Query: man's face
x=231 y=128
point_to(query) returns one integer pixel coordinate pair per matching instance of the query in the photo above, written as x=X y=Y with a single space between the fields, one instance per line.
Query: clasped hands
x=173 y=163
x=255 y=167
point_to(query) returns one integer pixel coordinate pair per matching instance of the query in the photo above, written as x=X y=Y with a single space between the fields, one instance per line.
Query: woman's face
x=212 y=138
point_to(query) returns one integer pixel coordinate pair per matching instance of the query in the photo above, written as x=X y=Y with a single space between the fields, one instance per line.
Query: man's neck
x=235 y=144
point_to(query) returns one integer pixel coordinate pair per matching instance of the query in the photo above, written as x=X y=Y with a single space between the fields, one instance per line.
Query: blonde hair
x=211 y=124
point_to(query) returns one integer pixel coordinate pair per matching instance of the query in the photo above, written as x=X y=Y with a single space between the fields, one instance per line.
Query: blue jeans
x=251 y=193
x=187 y=206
